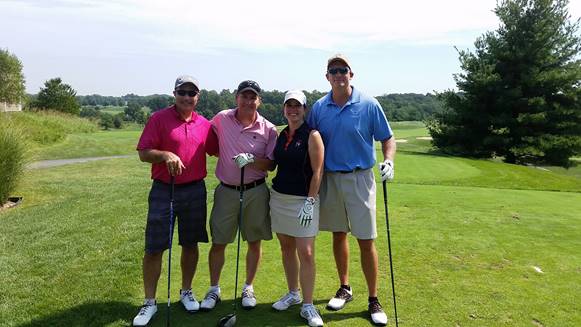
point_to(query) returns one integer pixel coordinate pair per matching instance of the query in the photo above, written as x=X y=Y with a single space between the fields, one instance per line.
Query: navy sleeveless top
x=291 y=155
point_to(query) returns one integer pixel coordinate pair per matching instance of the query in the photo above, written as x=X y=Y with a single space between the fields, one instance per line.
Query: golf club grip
x=389 y=249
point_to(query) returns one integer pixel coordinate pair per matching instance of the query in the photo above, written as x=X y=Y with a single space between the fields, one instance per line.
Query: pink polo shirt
x=259 y=139
x=167 y=131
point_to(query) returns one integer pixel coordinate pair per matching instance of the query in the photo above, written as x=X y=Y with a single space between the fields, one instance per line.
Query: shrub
x=12 y=156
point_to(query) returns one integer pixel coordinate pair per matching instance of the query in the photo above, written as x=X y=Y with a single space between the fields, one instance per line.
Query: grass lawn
x=469 y=239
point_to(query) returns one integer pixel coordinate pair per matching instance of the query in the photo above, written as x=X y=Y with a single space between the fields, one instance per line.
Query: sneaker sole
x=280 y=310
x=248 y=308
x=337 y=309
x=210 y=309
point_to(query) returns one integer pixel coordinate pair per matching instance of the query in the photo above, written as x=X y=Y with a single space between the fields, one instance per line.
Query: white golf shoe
x=378 y=316
x=188 y=299
x=310 y=313
x=286 y=301
x=145 y=314
x=248 y=298
x=341 y=298
x=210 y=300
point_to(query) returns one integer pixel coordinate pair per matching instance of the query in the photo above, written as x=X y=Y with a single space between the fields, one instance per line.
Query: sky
x=116 y=47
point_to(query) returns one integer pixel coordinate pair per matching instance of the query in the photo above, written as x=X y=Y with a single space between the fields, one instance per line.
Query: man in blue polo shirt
x=349 y=123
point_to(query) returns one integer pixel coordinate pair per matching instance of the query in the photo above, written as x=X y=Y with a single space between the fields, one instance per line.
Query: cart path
x=61 y=162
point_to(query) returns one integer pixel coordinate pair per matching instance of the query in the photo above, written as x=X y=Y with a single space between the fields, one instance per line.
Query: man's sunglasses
x=340 y=70
x=189 y=93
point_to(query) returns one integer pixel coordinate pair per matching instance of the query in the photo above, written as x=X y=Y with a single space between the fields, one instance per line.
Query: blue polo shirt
x=349 y=132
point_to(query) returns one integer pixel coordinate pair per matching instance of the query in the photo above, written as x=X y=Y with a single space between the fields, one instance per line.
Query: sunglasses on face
x=189 y=93
x=340 y=70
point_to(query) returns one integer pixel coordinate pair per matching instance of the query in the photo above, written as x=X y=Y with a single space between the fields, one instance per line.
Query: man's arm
x=388 y=148
x=263 y=164
x=173 y=162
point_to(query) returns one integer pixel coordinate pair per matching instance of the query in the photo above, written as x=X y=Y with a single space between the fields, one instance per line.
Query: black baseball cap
x=249 y=86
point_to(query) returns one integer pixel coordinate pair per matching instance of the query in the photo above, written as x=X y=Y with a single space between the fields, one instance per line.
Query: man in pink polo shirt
x=245 y=136
x=175 y=141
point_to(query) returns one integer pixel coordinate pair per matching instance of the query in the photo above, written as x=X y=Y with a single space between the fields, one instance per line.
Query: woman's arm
x=317 y=154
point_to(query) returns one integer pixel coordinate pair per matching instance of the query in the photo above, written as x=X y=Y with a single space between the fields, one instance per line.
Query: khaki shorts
x=348 y=203
x=255 y=215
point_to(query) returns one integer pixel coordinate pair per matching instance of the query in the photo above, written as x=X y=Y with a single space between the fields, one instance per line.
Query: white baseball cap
x=297 y=95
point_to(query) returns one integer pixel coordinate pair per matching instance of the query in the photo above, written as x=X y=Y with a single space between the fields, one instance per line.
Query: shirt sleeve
x=212 y=142
x=150 y=136
x=311 y=117
x=271 y=143
x=381 y=129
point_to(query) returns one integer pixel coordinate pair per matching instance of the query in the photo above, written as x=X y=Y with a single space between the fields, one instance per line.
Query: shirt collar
x=258 y=121
x=179 y=117
x=355 y=97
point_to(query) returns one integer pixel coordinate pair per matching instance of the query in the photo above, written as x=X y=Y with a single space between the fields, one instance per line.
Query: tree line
x=397 y=107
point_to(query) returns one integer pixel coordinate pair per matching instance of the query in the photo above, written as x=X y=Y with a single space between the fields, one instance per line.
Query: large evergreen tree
x=520 y=91
x=58 y=96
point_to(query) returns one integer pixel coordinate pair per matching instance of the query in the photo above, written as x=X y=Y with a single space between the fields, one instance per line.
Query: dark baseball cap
x=249 y=86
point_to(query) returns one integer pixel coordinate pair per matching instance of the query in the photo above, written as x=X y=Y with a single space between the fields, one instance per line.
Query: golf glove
x=306 y=212
x=386 y=170
x=243 y=159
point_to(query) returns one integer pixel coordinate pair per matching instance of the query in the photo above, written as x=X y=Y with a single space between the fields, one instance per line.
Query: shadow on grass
x=121 y=314
x=89 y=314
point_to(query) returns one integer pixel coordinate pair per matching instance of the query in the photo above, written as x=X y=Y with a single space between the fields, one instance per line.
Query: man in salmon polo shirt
x=245 y=136
x=175 y=141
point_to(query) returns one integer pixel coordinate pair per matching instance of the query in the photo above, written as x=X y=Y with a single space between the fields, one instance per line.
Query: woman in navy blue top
x=294 y=204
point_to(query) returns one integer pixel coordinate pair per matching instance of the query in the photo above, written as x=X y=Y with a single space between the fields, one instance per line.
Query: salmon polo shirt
x=259 y=139
x=190 y=140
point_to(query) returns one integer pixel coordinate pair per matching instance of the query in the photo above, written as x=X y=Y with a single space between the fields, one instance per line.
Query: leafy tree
x=89 y=112
x=521 y=89
x=106 y=121
x=157 y=102
x=133 y=112
x=11 y=78
x=58 y=96
x=118 y=120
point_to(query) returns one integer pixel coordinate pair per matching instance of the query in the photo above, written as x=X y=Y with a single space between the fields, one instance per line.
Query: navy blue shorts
x=189 y=215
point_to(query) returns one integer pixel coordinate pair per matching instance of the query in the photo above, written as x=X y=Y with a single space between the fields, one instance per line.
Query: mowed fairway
x=476 y=243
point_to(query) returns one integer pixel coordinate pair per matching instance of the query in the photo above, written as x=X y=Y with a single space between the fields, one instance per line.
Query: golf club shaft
x=239 y=231
x=171 y=194
x=389 y=249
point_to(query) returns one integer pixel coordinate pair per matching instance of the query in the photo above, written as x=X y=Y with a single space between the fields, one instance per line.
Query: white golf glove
x=306 y=212
x=243 y=159
x=386 y=170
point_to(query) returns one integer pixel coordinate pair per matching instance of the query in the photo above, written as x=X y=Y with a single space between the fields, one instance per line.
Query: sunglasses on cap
x=189 y=93
x=340 y=70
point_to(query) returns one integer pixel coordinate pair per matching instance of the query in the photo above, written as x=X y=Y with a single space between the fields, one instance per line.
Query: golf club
x=389 y=248
x=171 y=190
x=230 y=319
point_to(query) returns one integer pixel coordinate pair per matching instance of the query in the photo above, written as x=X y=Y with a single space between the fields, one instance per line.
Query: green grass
x=113 y=110
x=43 y=128
x=102 y=143
x=466 y=236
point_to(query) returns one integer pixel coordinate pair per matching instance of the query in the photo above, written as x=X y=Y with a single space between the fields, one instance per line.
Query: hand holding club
x=174 y=164
x=243 y=159
x=386 y=170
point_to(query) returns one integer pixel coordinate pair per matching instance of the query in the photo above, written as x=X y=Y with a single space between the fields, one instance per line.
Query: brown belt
x=245 y=186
